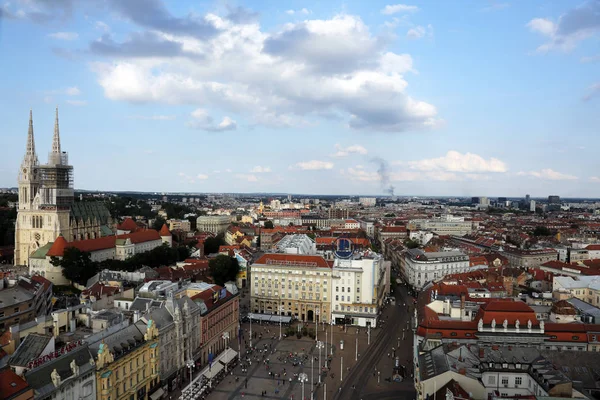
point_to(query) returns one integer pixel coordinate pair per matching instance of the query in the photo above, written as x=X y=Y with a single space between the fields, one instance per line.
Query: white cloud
x=590 y=59
x=77 y=102
x=305 y=69
x=202 y=176
x=594 y=178
x=154 y=117
x=228 y=170
x=419 y=32
x=102 y=26
x=346 y=151
x=359 y=174
x=64 y=35
x=260 y=170
x=572 y=27
x=495 y=6
x=454 y=161
x=247 y=177
x=548 y=174
x=398 y=8
x=593 y=91
x=73 y=91
x=314 y=165
x=303 y=11
x=202 y=120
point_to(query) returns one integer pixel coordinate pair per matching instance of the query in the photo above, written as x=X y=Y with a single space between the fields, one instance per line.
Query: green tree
x=158 y=223
x=268 y=224
x=212 y=244
x=411 y=244
x=541 y=231
x=223 y=269
x=77 y=266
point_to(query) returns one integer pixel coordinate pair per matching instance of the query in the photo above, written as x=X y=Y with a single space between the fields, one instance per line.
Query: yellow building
x=293 y=285
x=127 y=364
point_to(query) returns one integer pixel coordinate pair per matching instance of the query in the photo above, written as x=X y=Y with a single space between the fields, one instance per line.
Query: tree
x=212 y=244
x=223 y=269
x=268 y=224
x=77 y=266
x=411 y=244
x=541 y=231
x=158 y=223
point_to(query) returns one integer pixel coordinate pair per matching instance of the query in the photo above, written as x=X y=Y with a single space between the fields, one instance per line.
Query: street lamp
x=250 y=315
x=302 y=378
x=312 y=376
x=317 y=326
x=281 y=308
x=356 y=353
x=320 y=346
x=331 y=326
x=226 y=338
x=325 y=346
x=190 y=365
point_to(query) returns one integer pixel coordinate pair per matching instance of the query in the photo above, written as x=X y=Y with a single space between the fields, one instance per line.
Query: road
x=361 y=376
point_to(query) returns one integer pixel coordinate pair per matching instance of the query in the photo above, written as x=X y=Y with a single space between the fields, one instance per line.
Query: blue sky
x=458 y=98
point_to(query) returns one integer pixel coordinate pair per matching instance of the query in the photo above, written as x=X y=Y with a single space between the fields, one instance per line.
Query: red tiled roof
x=164 y=231
x=41 y=280
x=207 y=297
x=98 y=290
x=128 y=225
x=506 y=309
x=293 y=259
x=11 y=384
x=393 y=229
x=103 y=243
x=58 y=247
x=593 y=247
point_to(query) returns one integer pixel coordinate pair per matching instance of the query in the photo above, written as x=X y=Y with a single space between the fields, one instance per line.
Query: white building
x=367 y=201
x=351 y=224
x=420 y=267
x=444 y=225
x=358 y=287
x=532 y=206
x=118 y=247
x=297 y=244
x=213 y=223
x=368 y=227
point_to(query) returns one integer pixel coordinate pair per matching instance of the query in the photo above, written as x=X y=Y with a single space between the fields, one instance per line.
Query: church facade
x=47 y=206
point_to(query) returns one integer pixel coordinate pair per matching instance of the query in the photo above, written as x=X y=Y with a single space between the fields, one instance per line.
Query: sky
x=457 y=98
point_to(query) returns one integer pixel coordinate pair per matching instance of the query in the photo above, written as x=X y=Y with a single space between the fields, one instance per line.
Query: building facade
x=444 y=225
x=292 y=285
x=213 y=223
x=359 y=285
x=127 y=364
x=419 y=267
x=46 y=202
x=529 y=258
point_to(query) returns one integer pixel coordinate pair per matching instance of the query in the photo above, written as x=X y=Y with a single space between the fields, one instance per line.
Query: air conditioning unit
x=505 y=385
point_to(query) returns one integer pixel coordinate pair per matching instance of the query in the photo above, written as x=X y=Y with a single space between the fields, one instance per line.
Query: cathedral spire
x=56 y=138
x=30 y=156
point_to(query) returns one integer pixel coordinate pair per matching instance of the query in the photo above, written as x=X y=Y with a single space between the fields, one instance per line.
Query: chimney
x=481 y=352
x=495 y=347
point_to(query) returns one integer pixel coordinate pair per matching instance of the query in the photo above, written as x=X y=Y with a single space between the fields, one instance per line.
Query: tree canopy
x=411 y=244
x=268 y=225
x=77 y=266
x=541 y=231
x=212 y=244
x=223 y=269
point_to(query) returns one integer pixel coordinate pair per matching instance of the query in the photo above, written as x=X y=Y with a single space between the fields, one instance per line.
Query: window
x=337 y=298
x=337 y=288
x=518 y=380
x=491 y=380
x=16 y=309
x=505 y=380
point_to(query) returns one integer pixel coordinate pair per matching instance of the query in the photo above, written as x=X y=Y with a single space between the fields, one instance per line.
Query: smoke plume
x=384 y=175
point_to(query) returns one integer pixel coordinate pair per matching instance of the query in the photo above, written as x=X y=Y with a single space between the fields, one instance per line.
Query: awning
x=157 y=395
x=228 y=355
x=216 y=368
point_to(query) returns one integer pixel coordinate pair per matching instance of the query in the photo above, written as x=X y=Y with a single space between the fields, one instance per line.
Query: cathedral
x=47 y=206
